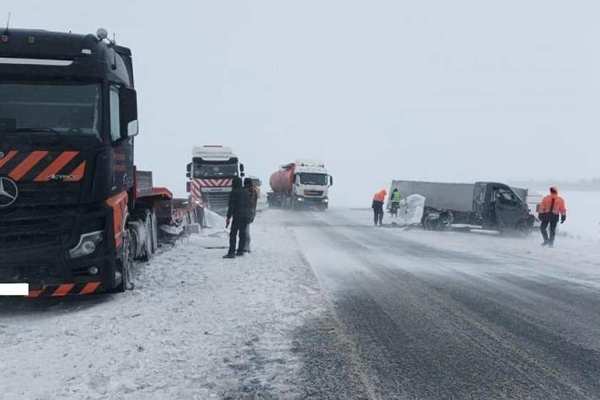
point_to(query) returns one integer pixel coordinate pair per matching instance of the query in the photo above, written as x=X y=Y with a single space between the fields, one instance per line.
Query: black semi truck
x=72 y=217
x=488 y=205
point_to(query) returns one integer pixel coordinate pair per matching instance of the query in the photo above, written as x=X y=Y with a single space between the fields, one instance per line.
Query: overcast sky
x=440 y=90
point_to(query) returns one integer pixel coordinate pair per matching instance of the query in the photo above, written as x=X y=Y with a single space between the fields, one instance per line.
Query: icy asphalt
x=326 y=307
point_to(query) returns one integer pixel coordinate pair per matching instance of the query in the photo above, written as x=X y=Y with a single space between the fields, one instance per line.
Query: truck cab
x=68 y=117
x=498 y=206
x=211 y=174
x=311 y=185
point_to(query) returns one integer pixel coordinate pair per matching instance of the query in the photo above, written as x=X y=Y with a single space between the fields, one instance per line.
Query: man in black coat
x=253 y=193
x=238 y=215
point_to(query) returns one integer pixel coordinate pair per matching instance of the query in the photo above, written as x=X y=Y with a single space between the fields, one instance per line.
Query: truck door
x=508 y=207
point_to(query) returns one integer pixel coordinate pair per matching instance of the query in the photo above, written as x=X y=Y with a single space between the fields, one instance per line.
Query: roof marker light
x=102 y=33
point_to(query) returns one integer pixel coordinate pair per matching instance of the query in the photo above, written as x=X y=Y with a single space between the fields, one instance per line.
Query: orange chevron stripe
x=56 y=166
x=35 y=293
x=90 y=288
x=77 y=173
x=27 y=164
x=63 y=290
x=7 y=158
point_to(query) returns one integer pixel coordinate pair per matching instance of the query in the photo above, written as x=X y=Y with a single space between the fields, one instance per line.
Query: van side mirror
x=188 y=170
x=128 y=112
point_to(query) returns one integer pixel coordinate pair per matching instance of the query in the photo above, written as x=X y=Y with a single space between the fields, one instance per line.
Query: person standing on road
x=378 y=201
x=550 y=210
x=238 y=216
x=253 y=194
x=396 y=197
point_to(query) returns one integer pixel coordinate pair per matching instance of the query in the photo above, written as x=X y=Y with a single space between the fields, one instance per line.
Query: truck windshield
x=215 y=170
x=313 y=179
x=63 y=108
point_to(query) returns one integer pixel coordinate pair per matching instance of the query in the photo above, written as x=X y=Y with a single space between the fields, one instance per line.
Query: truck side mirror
x=128 y=112
x=242 y=174
x=330 y=180
x=188 y=187
x=188 y=170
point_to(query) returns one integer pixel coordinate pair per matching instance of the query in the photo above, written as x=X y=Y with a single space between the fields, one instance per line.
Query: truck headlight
x=88 y=242
x=300 y=199
x=325 y=200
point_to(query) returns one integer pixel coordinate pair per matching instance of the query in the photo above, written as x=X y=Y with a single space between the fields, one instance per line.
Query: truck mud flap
x=66 y=289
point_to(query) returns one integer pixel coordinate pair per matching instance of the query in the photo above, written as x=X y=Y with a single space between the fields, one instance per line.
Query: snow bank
x=583 y=221
x=195 y=327
x=213 y=220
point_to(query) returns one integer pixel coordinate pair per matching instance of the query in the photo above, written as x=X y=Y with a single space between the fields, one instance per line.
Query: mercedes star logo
x=8 y=192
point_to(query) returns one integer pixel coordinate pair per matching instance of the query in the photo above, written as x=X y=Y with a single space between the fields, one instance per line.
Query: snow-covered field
x=583 y=215
x=195 y=327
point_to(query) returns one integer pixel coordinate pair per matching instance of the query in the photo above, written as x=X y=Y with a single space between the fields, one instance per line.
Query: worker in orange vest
x=378 y=201
x=550 y=210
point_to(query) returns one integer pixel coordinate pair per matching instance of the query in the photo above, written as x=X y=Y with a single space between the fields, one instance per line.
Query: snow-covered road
x=446 y=315
x=326 y=307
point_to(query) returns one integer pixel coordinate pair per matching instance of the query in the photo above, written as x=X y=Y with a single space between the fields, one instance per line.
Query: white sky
x=440 y=90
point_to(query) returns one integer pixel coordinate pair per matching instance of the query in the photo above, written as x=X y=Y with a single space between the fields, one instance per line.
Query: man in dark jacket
x=253 y=193
x=238 y=215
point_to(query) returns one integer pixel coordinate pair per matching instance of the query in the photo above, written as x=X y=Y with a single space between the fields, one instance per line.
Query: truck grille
x=35 y=273
x=218 y=201
x=313 y=193
x=25 y=228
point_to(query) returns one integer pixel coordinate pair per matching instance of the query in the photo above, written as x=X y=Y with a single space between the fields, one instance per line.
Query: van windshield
x=63 y=108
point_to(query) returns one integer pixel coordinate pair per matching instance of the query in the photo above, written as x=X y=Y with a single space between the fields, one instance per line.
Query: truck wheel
x=123 y=274
x=154 y=233
x=148 y=238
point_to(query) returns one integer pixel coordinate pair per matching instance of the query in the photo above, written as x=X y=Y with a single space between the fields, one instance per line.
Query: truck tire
x=147 y=238
x=123 y=277
x=154 y=233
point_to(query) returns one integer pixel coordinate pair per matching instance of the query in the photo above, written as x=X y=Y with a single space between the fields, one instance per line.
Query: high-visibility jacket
x=553 y=203
x=396 y=197
x=380 y=196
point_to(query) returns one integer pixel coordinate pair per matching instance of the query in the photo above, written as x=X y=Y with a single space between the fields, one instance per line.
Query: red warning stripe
x=7 y=158
x=56 y=165
x=63 y=290
x=77 y=173
x=35 y=293
x=27 y=164
x=90 y=288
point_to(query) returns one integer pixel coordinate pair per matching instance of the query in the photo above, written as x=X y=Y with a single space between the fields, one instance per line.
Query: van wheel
x=523 y=228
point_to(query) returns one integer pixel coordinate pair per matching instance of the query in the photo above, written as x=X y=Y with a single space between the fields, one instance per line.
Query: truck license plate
x=14 y=289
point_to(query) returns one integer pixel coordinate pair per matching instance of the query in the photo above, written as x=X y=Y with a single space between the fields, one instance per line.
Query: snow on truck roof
x=213 y=152
x=310 y=163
